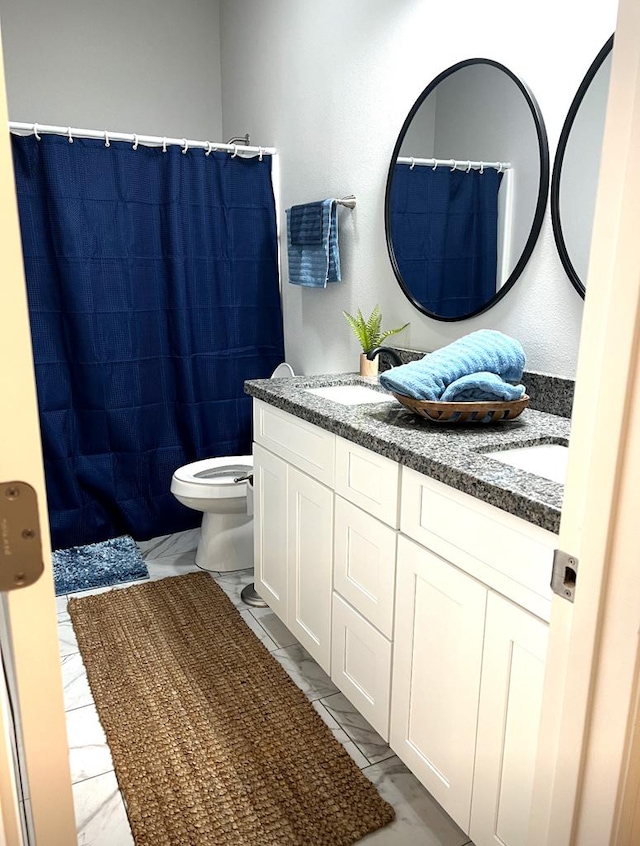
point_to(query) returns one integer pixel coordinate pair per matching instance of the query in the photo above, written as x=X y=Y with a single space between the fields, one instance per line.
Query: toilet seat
x=212 y=478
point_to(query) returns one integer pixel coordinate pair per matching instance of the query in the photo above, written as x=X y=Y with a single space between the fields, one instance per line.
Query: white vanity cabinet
x=427 y=607
x=437 y=661
x=362 y=626
x=325 y=532
x=293 y=525
x=515 y=647
x=468 y=663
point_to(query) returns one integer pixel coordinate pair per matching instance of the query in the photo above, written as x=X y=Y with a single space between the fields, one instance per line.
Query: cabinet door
x=364 y=569
x=437 y=657
x=361 y=664
x=270 y=529
x=310 y=564
x=510 y=699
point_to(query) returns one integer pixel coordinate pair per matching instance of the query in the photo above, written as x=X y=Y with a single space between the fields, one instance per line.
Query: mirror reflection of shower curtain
x=444 y=232
x=152 y=280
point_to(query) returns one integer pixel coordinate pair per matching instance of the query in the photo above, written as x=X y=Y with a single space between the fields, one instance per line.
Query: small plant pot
x=368 y=368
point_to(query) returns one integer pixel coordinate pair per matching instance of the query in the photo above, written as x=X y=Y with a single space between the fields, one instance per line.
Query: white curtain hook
x=468 y=166
x=235 y=151
x=186 y=146
x=413 y=163
x=499 y=167
x=435 y=164
x=260 y=154
x=164 y=144
x=481 y=167
x=107 y=143
x=455 y=165
x=70 y=136
x=35 y=132
x=135 y=141
x=209 y=148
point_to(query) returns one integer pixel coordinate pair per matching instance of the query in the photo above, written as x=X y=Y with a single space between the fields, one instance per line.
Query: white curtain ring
x=481 y=167
x=468 y=166
x=186 y=146
x=413 y=163
x=499 y=167
x=260 y=154
x=164 y=144
x=107 y=143
x=35 y=132
x=235 y=151
x=455 y=165
x=435 y=164
x=209 y=148
x=135 y=141
x=70 y=136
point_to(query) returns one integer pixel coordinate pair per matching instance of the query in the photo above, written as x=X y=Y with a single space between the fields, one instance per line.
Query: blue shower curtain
x=444 y=230
x=153 y=292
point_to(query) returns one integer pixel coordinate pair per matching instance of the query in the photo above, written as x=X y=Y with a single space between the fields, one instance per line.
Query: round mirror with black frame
x=466 y=190
x=576 y=168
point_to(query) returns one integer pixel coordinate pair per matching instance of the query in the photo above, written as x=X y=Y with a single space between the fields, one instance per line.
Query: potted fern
x=370 y=335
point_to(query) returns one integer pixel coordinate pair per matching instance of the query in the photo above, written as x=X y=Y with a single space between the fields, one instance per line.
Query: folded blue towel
x=312 y=244
x=479 y=387
x=305 y=224
x=484 y=350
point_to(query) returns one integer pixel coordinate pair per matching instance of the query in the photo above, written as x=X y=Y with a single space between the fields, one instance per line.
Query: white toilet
x=210 y=486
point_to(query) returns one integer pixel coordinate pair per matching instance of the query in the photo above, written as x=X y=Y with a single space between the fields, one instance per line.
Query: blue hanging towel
x=312 y=244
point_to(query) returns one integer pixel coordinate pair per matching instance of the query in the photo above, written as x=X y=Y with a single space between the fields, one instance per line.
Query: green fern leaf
x=390 y=332
x=373 y=327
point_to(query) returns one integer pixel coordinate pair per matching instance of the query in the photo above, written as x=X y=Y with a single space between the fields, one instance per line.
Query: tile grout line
x=95 y=775
x=345 y=729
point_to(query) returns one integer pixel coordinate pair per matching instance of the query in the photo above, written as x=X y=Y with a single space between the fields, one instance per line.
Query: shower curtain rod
x=147 y=140
x=454 y=164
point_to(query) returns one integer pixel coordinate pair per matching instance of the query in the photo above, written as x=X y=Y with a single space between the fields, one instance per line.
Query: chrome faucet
x=392 y=354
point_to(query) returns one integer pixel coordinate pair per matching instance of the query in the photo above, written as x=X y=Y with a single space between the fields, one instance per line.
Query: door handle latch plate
x=21 y=561
x=564 y=575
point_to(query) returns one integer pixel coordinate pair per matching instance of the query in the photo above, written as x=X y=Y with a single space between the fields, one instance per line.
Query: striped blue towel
x=481 y=387
x=484 y=350
x=312 y=244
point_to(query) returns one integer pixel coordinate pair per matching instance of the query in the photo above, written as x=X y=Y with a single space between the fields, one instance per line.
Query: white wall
x=145 y=66
x=330 y=84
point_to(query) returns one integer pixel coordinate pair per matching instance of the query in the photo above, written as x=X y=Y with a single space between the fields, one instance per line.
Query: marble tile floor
x=100 y=811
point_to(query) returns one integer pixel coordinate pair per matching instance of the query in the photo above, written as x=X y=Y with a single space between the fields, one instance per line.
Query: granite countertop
x=453 y=455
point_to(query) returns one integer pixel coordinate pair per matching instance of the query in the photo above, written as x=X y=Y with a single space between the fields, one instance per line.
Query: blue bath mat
x=110 y=562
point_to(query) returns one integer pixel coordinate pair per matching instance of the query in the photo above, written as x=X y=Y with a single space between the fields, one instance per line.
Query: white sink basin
x=547 y=460
x=351 y=394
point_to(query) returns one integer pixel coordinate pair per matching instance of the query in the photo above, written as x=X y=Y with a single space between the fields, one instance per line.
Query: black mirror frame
x=543 y=187
x=556 y=221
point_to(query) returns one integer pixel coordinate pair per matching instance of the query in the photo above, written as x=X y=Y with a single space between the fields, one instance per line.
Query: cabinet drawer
x=365 y=564
x=501 y=550
x=368 y=480
x=361 y=664
x=302 y=444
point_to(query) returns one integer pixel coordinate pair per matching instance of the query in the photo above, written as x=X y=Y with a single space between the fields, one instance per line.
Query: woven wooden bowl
x=465 y=412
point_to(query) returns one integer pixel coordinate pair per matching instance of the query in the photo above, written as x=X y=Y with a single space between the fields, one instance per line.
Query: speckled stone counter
x=453 y=455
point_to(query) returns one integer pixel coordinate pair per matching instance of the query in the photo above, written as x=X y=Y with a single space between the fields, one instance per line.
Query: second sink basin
x=547 y=460
x=351 y=394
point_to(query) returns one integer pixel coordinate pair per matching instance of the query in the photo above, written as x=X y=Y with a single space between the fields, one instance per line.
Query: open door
x=588 y=777
x=35 y=786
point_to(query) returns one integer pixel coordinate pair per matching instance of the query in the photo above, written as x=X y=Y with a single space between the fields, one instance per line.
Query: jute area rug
x=213 y=744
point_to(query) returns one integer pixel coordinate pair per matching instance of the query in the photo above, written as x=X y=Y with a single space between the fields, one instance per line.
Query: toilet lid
x=216 y=471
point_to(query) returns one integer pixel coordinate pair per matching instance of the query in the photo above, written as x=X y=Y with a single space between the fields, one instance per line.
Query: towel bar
x=349 y=201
